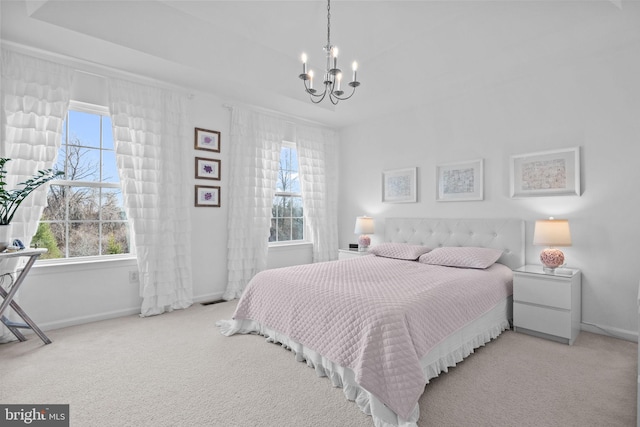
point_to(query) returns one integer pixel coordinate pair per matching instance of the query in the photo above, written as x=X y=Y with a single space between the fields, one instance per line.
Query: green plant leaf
x=10 y=200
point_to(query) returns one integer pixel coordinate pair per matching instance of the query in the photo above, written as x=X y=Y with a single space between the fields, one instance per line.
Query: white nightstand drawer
x=543 y=290
x=541 y=319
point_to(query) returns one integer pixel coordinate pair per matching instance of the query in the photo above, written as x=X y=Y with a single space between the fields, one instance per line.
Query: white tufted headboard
x=504 y=234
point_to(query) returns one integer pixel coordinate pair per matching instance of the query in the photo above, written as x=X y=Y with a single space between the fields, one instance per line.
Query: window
x=287 y=222
x=85 y=214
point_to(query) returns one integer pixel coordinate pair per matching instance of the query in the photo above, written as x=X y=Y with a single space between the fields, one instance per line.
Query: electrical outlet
x=133 y=276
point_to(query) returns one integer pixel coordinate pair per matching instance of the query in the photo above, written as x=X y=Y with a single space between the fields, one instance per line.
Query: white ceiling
x=410 y=52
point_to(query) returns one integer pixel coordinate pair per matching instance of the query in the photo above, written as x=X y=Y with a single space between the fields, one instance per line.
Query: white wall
x=209 y=225
x=588 y=99
x=56 y=296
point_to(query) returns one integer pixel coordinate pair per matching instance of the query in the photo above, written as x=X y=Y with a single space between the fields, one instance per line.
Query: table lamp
x=552 y=232
x=364 y=226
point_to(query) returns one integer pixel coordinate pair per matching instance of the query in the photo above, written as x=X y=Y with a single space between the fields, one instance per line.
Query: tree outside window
x=287 y=219
x=85 y=213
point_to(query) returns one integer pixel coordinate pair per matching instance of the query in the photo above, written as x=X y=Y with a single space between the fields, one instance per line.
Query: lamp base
x=363 y=243
x=551 y=259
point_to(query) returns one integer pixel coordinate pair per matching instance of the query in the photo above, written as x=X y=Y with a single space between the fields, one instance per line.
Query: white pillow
x=399 y=251
x=466 y=257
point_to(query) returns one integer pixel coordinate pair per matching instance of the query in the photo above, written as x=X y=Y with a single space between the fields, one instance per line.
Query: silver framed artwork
x=400 y=185
x=461 y=181
x=546 y=173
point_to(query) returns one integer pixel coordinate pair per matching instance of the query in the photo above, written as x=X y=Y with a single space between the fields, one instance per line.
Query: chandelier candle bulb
x=304 y=63
x=310 y=79
x=354 y=66
x=339 y=76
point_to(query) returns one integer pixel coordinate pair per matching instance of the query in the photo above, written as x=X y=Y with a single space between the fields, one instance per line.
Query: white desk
x=8 y=301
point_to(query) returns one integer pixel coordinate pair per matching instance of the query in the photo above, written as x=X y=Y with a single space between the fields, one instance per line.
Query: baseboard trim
x=74 y=321
x=609 y=331
x=208 y=297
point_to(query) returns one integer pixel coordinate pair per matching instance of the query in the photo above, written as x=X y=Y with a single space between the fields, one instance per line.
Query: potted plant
x=10 y=200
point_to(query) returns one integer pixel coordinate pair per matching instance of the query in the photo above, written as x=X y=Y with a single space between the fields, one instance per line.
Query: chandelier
x=332 y=79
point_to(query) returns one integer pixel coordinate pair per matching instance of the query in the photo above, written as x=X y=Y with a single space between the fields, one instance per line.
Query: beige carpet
x=177 y=370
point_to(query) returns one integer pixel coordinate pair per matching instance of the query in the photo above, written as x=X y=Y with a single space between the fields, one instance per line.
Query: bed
x=381 y=326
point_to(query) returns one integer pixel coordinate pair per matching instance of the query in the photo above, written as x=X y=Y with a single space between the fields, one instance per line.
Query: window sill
x=288 y=245
x=63 y=270
x=85 y=261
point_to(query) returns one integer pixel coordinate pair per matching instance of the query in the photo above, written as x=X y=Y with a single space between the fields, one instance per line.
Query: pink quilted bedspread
x=377 y=316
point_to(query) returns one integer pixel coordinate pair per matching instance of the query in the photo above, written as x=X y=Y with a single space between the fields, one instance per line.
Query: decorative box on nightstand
x=547 y=304
x=350 y=253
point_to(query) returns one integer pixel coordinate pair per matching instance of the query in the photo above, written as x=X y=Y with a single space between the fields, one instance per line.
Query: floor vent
x=212 y=302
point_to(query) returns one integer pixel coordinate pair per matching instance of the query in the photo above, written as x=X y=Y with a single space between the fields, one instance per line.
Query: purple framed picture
x=207 y=196
x=207 y=168
x=208 y=140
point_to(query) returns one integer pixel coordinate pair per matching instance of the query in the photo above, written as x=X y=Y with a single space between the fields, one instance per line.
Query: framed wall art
x=546 y=173
x=207 y=196
x=208 y=140
x=460 y=181
x=400 y=186
x=207 y=168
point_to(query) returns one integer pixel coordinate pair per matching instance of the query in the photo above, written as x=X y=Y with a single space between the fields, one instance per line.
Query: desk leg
x=8 y=301
x=14 y=330
x=31 y=324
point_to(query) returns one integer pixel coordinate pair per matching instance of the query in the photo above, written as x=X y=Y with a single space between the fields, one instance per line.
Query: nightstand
x=350 y=253
x=547 y=304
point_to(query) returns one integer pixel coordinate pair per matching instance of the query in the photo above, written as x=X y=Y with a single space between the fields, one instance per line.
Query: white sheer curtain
x=34 y=94
x=149 y=128
x=256 y=140
x=318 y=166
x=35 y=99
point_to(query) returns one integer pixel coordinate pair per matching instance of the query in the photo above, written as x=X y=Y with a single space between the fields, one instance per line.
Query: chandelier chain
x=329 y=24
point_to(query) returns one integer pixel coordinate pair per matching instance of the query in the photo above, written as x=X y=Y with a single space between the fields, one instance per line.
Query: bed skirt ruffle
x=446 y=354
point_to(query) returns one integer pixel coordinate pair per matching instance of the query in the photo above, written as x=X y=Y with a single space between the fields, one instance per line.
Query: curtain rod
x=289 y=118
x=93 y=68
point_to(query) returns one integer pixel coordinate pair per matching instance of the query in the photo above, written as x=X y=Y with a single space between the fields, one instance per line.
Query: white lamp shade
x=364 y=225
x=552 y=232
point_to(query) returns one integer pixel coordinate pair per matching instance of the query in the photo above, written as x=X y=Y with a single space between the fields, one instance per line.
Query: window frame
x=276 y=193
x=85 y=107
